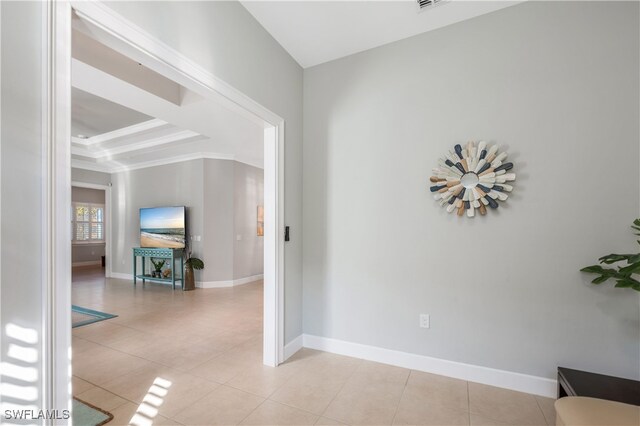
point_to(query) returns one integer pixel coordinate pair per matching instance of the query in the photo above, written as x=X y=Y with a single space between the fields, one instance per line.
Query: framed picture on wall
x=260 y=221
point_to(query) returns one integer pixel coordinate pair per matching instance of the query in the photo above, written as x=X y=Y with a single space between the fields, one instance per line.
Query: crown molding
x=105 y=154
x=172 y=160
x=89 y=165
x=105 y=167
x=120 y=133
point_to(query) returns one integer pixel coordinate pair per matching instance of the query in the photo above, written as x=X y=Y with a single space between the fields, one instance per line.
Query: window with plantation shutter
x=87 y=223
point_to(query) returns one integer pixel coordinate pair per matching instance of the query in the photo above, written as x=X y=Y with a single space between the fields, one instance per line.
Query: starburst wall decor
x=472 y=178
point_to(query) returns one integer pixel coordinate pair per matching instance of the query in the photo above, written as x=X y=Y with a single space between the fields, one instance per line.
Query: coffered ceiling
x=92 y=115
x=126 y=116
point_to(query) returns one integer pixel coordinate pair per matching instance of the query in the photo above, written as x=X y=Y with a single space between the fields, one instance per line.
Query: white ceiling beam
x=180 y=136
x=104 y=154
x=90 y=165
x=159 y=57
x=204 y=117
x=88 y=50
x=115 y=167
x=120 y=133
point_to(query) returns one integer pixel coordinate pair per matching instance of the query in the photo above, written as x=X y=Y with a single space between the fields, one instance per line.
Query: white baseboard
x=87 y=263
x=293 y=346
x=201 y=284
x=473 y=373
x=214 y=284
x=228 y=283
x=121 y=276
x=247 y=280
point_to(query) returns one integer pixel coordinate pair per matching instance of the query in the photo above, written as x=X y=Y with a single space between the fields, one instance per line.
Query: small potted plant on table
x=157 y=264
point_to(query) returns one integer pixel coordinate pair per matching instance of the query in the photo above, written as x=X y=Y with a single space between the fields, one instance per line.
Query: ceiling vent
x=427 y=4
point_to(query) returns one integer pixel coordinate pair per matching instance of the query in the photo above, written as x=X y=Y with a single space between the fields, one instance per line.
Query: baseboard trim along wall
x=87 y=263
x=293 y=346
x=203 y=284
x=121 y=276
x=458 y=370
x=229 y=283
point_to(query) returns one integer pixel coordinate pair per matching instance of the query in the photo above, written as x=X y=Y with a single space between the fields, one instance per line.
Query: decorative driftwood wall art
x=472 y=178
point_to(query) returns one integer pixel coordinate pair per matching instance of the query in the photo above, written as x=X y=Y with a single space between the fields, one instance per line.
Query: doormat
x=83 y=316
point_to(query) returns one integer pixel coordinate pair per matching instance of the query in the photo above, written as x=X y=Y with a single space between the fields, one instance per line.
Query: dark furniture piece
x=582 y=383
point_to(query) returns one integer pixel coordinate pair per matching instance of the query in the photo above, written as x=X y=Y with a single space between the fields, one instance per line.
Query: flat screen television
x=162 y=227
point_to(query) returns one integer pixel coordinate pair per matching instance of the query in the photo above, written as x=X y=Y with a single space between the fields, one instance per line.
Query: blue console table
x=159 y=253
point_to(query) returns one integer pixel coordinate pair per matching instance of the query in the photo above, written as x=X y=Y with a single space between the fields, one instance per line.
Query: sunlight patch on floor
x=154 y=398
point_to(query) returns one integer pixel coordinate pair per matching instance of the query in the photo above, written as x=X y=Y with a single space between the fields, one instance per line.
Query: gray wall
x=178 y=184
x=217 y=245
x=248 y=194
x=84 y=252
x=21 y=188
x=232 y=190
x=554 y=83
x=224 y=38
x=87 y=195
x=210 y=189
x=89 y=176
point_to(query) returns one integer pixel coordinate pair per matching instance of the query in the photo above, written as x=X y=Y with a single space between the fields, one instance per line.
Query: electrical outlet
x=424 y=321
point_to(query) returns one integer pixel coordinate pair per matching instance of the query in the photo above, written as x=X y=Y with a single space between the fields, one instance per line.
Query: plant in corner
x=623 y=274
x=191 y=264
x=157 y=264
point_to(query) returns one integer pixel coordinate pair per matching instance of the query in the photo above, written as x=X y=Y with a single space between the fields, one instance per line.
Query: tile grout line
x=468 y=403
x=125 y=400
x=404 y=389
x=159 y=363
x=340 y=390
x=112 y=393
x=252 y=411
x=194 y=402
x=139 y=403
x=544 y=416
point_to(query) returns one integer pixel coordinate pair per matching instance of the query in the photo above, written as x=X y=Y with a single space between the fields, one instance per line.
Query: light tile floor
x=194 y=358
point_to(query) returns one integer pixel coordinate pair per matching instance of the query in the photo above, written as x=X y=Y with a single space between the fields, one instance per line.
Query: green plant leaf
x=597 y=269
x=600 y=279
x=634 y=259
x=634 y=268
x=626 y=283
x=622 y=275
x=613 y=258
x=158 y=263
x=195 y=263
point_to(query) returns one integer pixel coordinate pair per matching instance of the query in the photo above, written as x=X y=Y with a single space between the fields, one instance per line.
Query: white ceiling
x=314 y=32
x=92 y=115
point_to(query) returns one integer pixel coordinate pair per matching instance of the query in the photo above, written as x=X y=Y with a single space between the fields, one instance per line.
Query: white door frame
x=107 y=217
x=163 y=59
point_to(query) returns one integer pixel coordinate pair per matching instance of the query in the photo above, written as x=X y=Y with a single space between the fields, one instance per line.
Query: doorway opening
x=194 y=85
